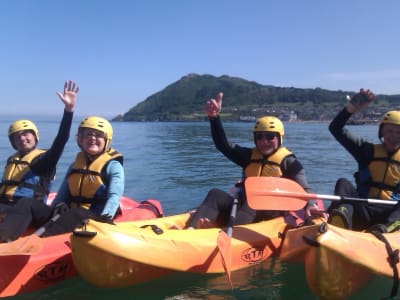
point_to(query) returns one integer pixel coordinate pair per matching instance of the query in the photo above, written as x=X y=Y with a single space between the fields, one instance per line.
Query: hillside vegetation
x=245 y=100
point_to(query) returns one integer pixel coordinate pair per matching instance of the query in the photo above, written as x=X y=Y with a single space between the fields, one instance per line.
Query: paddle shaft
x=232 y=217
x=307 y=196
x=276 y=193
x=41 y=230
x=224 y=242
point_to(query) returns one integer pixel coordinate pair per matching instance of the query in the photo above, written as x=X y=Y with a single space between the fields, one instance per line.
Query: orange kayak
x=134 y=252
x=52 y=262
x=339 y=262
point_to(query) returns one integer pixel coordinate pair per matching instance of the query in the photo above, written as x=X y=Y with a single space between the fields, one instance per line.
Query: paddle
x=275 y=193
x=224 y=243
x=26 y=245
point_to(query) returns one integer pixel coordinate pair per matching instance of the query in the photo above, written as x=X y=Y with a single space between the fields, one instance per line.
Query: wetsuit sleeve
x=63 y=194
x=116 y=175
x=46 y=163
x=359 y=148
x=293 y=169
x=235 y=153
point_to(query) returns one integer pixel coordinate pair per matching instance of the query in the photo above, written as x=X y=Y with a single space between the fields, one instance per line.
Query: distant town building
x=292 y=116
x=247 y=118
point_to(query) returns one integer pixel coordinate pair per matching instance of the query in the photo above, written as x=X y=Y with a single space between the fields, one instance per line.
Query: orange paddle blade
x=27 y=245
x=275 y=193
x=224 y=247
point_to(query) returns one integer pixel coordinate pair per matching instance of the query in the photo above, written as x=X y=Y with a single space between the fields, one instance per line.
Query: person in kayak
x=378 y=172
x=29 y=173
x=94 y=182
x=268 y=158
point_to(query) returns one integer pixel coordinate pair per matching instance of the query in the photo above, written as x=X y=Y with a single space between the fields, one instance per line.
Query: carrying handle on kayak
x=154 y=228
x=275 y=193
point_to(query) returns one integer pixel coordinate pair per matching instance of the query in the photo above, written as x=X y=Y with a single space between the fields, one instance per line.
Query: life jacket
x=20 y=181
x=87 y=181
x=266 y=166
x=381 y=178
x=270 y=166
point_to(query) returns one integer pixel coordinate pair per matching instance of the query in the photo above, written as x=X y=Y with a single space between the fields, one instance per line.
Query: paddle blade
x=224 y=247
x=27 y=245
x=275 y=193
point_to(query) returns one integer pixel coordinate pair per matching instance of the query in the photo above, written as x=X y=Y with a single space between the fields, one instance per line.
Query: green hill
x=184 y=100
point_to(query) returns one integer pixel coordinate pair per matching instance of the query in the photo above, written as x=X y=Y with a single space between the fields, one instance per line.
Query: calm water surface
x=177 y=163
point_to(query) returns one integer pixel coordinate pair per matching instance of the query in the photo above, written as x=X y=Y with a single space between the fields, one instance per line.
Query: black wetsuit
x=364 y=215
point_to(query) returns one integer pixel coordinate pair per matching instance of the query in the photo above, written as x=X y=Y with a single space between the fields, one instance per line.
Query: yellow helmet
x=270 y=123
x=99 y=124
x=21 y=125
x=391 y=117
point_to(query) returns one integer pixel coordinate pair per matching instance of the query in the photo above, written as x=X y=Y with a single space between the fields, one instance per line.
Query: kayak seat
x=340 y=218
x=385 y=228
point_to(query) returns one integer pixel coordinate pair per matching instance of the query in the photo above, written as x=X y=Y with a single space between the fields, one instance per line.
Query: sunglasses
x=96 y=135
x=265 y=135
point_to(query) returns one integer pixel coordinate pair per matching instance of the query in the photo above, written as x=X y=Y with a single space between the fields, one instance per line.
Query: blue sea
x=177 y=163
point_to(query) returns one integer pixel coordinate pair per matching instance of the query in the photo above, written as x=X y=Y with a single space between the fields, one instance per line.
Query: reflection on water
x=270 y=280
x=262 y=281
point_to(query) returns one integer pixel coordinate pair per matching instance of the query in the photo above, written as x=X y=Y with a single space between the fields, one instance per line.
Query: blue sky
x=122 y=51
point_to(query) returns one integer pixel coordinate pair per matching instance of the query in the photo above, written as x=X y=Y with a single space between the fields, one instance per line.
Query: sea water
x=177 y=163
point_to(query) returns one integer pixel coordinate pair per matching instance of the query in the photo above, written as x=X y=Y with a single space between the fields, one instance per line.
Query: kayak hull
x=52 y=264
x=26 y=273
x=127 y=254
x=114 y=271
x=338 y=262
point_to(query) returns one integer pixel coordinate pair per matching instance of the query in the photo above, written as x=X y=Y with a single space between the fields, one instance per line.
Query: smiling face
x=24 y=141
x=391 y=137
x=92 y=141
x=266 y=142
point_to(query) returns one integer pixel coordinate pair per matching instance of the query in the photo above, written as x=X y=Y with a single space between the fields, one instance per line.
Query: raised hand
x=361 y=100
x=213 y=106
x=69 y=95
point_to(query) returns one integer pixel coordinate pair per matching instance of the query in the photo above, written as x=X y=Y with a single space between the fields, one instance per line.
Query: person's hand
x=69 y=95
x=213 y=106
x=360 y=100
x=312 y=210
x=205 y=223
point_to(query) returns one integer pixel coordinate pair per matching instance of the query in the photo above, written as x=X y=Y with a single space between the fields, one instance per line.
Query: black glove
x=359 y=100
x=103 y=218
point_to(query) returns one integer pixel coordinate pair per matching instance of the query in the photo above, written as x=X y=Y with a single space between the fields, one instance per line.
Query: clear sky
x=122 y=51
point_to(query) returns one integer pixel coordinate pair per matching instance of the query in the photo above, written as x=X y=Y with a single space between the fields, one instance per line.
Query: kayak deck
x=130 y=253
x=338 y=262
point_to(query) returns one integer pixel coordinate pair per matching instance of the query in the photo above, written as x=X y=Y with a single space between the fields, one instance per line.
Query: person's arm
x=46 y=163
x=116 y=176
x=293 y=169
x=353 y=144
x=235 y=153
x=63 y=194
